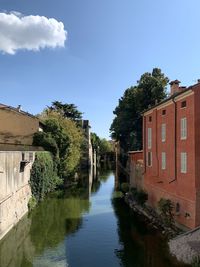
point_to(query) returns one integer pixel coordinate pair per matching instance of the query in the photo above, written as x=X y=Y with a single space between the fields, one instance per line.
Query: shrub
x=166 y=207
x=139 y=196
x=125 y=187
x=196 y=262
x=43 y=175
x=32 y=203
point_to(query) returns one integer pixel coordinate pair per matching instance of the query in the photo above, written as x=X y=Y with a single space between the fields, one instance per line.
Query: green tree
x=69 y=111
x=127 y=124
x=64 y=139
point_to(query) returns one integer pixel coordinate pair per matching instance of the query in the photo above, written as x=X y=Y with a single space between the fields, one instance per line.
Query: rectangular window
x=183 y=104
x=163 y=160
x=164 y=112
x=163 y=132
x=183 y=128
x=149 y=138
x=150 y=119
x=149 y=159
x=183 y=162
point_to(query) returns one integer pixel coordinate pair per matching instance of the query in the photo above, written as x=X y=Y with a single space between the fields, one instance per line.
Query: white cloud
x=29 y=32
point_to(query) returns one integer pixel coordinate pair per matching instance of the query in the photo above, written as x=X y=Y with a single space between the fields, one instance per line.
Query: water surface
x=84 y=227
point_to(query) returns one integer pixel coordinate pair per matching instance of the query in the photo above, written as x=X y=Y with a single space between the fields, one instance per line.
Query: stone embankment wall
x=15 y=191
x=186 y=247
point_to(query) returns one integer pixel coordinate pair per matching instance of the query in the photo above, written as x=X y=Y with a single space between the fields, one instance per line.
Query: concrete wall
x=17 y=127
x=15 y=191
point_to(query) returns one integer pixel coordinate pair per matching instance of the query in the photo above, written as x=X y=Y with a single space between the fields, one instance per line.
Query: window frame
x=163 y=160
x=183 y=162
x=183 y=130
x=149 y=159
x=163 y=132
x=149 y=138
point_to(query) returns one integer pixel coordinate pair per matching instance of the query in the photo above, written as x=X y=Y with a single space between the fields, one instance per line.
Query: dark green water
x=85 y=227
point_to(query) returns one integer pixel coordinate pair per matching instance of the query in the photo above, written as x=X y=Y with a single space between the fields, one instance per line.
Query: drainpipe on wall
x=144 y=142
x=175 y=141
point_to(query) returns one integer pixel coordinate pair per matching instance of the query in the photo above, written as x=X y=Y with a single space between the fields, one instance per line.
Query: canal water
x=88 y=226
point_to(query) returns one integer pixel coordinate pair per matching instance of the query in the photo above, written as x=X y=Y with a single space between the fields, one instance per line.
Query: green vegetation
x=127 y=124
x=139 y=196
x=64 y=139
x=166 y=208
x=196 y=262
x=124 y=187
x=65 y=110
x=32 y=203
x=43 y=178
x=103 y=147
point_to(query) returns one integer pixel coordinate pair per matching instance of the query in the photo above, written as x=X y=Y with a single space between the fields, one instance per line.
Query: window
x=149 y=138
x=163 y=160
x=183 y=104
x=164 y=112
x=31 y=156
x=183 y=162
x=183 y=128
x=163 y=132
x=150 y=119
x=177 y=207
x=149 y=159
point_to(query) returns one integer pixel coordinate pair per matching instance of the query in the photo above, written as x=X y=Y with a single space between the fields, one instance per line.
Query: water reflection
x=83 y=227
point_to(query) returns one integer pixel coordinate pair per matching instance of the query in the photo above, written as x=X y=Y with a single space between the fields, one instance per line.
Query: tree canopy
x=64 y=139
x=127 y=124
x=69 y=111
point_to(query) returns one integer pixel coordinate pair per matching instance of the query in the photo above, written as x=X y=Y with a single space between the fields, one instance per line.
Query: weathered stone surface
x=15 y=191
x=186 y=246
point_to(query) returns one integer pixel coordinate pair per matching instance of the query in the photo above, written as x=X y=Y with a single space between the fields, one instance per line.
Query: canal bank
x=85 y=226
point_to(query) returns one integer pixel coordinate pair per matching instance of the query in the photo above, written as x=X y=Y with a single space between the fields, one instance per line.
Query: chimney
x=198 y=81
x=174 y=87
x=19 y=108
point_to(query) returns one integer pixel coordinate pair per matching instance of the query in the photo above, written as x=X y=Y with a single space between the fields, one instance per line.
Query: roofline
x=2 y=106
x=170 y=98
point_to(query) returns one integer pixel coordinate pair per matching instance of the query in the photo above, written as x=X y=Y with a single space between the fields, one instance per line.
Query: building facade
x=171 y=151
x=16 y=158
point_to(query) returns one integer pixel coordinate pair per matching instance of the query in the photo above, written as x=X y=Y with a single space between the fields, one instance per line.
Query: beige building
x=16 y=158
x=17 y=128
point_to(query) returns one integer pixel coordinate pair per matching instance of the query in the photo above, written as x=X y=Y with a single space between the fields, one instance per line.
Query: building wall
x=136 y=169
x=15 y=190
x=17 y=128
x=171 y=183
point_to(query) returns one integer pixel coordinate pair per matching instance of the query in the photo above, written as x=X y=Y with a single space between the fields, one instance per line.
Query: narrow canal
x=86 y=227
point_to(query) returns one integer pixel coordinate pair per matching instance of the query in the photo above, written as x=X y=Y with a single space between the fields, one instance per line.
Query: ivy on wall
x=44 y=177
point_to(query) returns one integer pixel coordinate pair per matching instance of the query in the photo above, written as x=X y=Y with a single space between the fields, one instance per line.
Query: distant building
x=171 y=145
x=17 y=128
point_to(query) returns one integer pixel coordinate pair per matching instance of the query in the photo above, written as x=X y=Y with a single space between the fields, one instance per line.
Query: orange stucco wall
x=182 y=188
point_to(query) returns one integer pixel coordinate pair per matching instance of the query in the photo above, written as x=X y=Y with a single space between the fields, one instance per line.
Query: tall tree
x=69 y=111
x=127 y=124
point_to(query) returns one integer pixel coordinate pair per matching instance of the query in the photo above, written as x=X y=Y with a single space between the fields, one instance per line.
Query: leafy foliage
x=139 y=196
x=64 y=139
x=127 y=124
x=101 y=145
x=166 y=208
x=124 y=187
x=69 y=111
x=43 y=178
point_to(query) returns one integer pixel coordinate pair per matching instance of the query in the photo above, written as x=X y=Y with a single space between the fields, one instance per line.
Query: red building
x=171 y=133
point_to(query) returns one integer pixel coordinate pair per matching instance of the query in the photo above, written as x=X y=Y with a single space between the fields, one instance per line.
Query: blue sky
x=110 y=44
